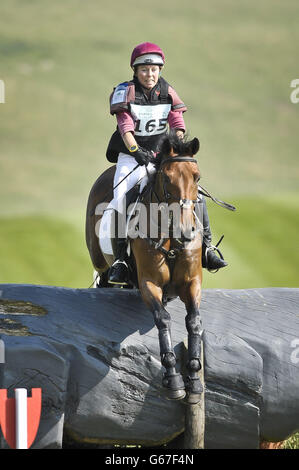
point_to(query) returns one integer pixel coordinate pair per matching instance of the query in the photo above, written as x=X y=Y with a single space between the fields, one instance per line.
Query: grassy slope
x=48 y=250
x=259 y=243
x=231 y=62
x=43 y=250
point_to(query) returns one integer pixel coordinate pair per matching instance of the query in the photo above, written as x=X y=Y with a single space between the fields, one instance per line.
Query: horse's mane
x=170 y=139
x=180 y=146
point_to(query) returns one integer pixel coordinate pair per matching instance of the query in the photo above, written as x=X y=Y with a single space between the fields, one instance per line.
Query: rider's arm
x=129 y=140
x=125 y=125
x=126 y=128
x=176 y=121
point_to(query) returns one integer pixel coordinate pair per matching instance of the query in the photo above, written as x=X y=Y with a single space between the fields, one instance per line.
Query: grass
x=43 y=250
x=259 y=243
x=232 y=64
x=292 y=442
x=258 y=237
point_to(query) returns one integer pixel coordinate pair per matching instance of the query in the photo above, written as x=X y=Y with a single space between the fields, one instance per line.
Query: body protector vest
x=150 y=113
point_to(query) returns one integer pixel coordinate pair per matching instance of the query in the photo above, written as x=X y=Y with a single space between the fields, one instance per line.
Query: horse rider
x=144 y=107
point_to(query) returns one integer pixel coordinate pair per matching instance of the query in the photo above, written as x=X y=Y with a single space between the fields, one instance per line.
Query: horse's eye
x=167 y=179
x=197 y=177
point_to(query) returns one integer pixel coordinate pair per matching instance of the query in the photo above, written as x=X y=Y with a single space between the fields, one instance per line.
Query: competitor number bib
x=150 y=120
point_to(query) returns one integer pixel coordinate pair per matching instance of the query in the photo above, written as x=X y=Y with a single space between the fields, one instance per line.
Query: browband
x=178 y=159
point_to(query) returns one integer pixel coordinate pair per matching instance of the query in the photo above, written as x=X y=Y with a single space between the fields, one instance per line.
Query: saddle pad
x=105 y=229
x=105 y=232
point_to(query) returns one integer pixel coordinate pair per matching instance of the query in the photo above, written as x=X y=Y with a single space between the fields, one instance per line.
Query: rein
x=92 y=211
x=201 y=189
x=226 y=205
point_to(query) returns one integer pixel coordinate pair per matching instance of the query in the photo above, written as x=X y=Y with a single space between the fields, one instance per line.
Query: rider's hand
x=143 y=156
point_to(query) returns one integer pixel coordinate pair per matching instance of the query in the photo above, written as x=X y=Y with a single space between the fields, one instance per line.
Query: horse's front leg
x=191 y=295
x=173 y=381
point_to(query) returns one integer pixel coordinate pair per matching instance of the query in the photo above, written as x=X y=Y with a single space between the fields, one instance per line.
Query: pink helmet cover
x=146 y=48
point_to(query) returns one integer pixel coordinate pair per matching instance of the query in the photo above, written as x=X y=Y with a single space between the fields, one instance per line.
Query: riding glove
x=143 y=156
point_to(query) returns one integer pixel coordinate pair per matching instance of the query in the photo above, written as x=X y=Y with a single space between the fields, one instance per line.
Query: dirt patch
x=10 y=308
x=19 y=307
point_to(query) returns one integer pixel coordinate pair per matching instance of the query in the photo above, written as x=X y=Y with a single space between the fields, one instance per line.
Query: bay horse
x=165 y=267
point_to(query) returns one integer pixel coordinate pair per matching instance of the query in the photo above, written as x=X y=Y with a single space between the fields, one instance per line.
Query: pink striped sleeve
x=125 y=122
x=176 y=120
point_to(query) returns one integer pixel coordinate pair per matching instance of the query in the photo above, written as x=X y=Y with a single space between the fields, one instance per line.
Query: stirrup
x=213 y=248
x=118 y=280
x=118 y=261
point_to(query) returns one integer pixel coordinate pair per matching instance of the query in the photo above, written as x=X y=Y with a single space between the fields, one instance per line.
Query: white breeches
x=124 y=165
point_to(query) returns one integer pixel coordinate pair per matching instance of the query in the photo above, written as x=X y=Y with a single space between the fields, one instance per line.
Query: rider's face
x=148 y=75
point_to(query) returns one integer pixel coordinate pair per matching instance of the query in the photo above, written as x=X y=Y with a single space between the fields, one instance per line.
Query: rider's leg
x=118 y=273
x=210 y=260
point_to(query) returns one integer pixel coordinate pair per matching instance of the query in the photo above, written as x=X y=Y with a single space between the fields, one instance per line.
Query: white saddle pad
x=105 y=229
x=105 y=232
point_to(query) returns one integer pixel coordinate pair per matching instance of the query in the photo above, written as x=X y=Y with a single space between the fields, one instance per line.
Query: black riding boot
x=210 y=260
x=118 y=273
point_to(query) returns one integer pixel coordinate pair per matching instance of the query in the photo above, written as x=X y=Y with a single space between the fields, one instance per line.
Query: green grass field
x=51 y=250
x=231 y=62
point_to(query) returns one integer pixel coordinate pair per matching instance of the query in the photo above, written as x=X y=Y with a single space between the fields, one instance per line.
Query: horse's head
x=177 y=179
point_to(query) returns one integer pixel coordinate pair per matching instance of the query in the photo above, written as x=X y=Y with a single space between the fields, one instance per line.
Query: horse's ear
x=195 y=144
x=166 y=147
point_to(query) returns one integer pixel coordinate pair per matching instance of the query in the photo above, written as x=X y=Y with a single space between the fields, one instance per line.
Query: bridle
x=184 y=204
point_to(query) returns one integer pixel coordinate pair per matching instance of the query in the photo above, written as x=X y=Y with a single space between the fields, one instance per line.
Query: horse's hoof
x=175 y=386
x=193 y=398
x=175 y=394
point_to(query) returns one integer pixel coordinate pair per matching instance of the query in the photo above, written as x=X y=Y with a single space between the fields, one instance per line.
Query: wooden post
x=195 y=414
